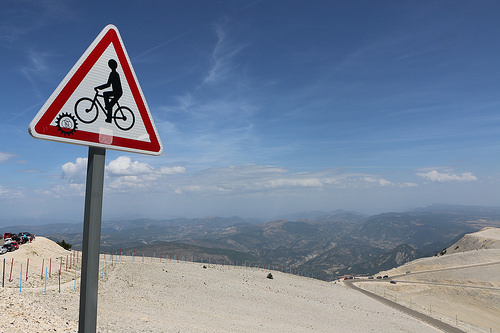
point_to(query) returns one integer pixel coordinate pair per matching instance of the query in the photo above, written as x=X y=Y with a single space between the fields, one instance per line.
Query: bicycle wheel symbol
x=86 y=110
x=124 y=118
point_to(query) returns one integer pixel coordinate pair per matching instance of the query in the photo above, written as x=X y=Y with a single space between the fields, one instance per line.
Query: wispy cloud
x=9 y=193
x=219 y=129
x=39 y=14
x=5 y=156
x=259 y=178
x=447 y=177
x=224 y=52
x=123 y=175
x=149 y=53
x=36 y=69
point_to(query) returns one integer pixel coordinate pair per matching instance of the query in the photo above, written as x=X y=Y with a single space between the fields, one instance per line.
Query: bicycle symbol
x=87 y=110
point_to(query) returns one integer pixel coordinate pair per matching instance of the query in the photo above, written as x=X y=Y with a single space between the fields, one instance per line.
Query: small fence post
x=11 y=264
x=21 y=279
x=45 y=287
x=27 y=267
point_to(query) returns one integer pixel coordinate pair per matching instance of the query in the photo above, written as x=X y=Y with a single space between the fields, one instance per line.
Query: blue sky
x=264 y=107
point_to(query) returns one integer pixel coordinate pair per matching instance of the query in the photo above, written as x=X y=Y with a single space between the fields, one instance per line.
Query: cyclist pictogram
x=111 y=96
x=87 y=109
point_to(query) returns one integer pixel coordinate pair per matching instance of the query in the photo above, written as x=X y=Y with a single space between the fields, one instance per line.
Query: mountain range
x=319 y=244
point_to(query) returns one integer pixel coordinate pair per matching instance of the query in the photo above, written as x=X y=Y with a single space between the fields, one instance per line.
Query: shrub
x=64 y=245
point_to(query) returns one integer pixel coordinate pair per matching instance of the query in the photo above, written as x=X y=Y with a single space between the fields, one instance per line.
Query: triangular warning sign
x=100 y=103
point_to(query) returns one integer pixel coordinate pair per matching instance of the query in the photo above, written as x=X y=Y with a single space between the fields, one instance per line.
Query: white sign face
x=100 y=103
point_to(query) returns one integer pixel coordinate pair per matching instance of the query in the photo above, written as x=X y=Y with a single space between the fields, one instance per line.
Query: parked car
x=27 y=234
x=9 y=247
x=23 y=239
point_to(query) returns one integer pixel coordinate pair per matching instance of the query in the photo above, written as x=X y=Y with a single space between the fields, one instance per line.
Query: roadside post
x=75 y=114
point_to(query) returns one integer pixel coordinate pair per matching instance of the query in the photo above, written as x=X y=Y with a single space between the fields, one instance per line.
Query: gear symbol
x=66 y=123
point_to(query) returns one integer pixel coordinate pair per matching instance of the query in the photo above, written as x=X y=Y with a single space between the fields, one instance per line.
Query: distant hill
x=195 y=253
x=325 y=244
x=487 y=238
x=323 y=216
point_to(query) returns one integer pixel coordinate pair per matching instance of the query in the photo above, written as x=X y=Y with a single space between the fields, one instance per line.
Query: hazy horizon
x=7 y=222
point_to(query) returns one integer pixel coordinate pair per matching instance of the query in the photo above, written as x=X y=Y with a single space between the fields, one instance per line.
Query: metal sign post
x=91 y=240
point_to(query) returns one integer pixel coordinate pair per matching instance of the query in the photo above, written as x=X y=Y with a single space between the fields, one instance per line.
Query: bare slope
x=160 y=296
x=461 y=287
x=487 y=238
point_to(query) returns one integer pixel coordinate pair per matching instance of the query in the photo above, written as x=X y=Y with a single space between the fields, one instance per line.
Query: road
x=448 y=269
x=431 y=321
x=420 y=316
